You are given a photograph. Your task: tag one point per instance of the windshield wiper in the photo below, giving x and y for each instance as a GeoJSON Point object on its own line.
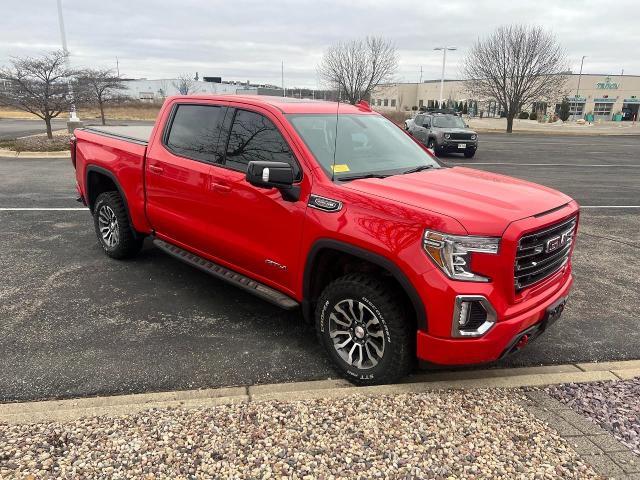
{"type": "Point", "coordinates": [418, 169]}
{"type": "Point", "coordinates": [358, 177]}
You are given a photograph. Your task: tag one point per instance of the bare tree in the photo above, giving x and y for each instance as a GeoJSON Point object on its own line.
{"type": "Point", "coordinates": [515, 66]}
{"type": "Point", "coordinates": [355, 68]}
{"type": "Point", "coordinates": [40, 86]}
{"type": "Point", "coordinates": [164, 88]}
{"type": "Point", "coordinates": [184, 84]}
{"type": "Point", "coordinates": [102, 86]}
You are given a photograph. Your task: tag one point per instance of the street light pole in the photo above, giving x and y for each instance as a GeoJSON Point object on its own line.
{"type": "Point", "coordinates": [444, 60]}
{"type": "Point", "coordinates": [72, 114]}
{"type": "Point", "coordinates": [575, 104]}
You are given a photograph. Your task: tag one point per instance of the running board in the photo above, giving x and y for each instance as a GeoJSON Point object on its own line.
{"type": "Point", "coordinates": [259, 289]}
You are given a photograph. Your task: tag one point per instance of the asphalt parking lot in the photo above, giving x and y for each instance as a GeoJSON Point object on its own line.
{"type": "Point", "coordinates": [74, 322]}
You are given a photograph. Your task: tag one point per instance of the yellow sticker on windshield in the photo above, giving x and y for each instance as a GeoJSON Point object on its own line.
{"type": "Point", "coordinates": [340, 168]}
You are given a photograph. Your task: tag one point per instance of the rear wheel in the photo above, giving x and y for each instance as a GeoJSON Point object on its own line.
{"type": "Point", "coordinates": [111, 222]}
{"type": "Point", "coordinates": [365, 330]}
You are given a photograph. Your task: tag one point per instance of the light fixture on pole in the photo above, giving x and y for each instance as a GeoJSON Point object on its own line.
{"type": "Point", "coordinates": [444, 60]}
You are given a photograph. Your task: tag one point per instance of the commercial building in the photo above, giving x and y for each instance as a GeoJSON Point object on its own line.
{"type": "Point", "coordinates": [606, 97]}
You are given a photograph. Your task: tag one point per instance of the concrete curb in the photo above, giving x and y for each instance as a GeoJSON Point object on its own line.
{"type": "Point", "coordinates": [68, 410]}
{"type": "Point", "coordinates": [13, 154]}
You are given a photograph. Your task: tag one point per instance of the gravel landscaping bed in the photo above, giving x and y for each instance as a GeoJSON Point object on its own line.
{"type": "Point", "coordinates": [615, 406]}
{"type": "Point", "coordinates": [40, 143]}
{"type": "Point", "coordinates": [471, 435]}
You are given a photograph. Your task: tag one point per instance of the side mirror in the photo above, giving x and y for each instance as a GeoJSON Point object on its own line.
{"type": "Point", "coordinates": [263, 174]}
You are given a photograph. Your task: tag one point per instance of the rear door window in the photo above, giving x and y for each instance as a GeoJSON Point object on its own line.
{"type": "Point", "coordinates": [254, 137]}
{"type": "Point", "coordinates": [195, 131]}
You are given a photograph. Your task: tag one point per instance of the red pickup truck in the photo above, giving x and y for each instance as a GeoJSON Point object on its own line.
{"type": "Point", "coordinates": [335, 210]}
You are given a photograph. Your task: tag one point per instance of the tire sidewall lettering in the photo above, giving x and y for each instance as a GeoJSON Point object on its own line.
{"type": "Point", "coordinates": [380, 316]}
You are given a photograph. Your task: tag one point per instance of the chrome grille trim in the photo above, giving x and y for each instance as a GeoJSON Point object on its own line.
{"type": "Point", "coordinates": [542, 253]}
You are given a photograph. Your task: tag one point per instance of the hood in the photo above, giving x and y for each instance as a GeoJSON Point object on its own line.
{"type": "Point", "coordinates": [484, 203]}
{"type": "Point", "coordinates": [454, 130]}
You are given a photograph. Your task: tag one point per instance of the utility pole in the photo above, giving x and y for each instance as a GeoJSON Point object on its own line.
{"type": "Point", "coordinates": [575, 104]}
{"type": "Point", "coordinates": [420, 74]}
{"type": "Point", "coordinates": [74, 121]}
{"type": "Point", "coordinates": [444, 60]}
{"type": "Point", "coordinates": [118, 67]}
{"type": "Point", "coordinates": [284, 90]}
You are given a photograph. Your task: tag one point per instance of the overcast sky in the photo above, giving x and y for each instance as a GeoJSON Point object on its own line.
{"type": "Point", "coordinates": [242, 40]}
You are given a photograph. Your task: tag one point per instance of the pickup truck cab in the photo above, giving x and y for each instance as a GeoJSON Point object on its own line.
{"type": "Point", "coordinates": [335, 210]}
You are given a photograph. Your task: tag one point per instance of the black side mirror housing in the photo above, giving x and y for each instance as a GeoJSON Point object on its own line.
{"type": "Point", "coordinates": [263, 174]}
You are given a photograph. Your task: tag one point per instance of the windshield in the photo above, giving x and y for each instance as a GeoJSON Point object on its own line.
{"type": "Point", "coordinates": [367, 144]}
{"type": "Point", "coordinates": [449, 121]}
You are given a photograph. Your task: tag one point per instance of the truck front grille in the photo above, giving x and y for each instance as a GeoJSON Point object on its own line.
{"type": "Point", "coordinates": [461, 136]}
{"type": "Point", "coordinates": [541, 254]}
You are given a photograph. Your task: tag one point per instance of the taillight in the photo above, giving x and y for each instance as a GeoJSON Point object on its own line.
{"type": "Point", "coordinates": [72, 148]}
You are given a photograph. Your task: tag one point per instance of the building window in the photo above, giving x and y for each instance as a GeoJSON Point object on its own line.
{"type": "Point", "coordinates": [386, 102]}
{"type": "Point", "coordinates": [379, 102]}
{"type": "Point", "coordinates": [602, 109]}
{"type": "Point", "coordinates": [421, 103]}
{"type": "Point", "coordinates": [576, 109]}
{"type": "Point", "coordinates": [393, 102]}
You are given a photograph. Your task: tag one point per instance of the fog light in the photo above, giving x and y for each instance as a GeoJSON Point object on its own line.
{"type": "Point", "coordinates": [473, 316]}
{"type": "Point", "coordinates": [463, 318]}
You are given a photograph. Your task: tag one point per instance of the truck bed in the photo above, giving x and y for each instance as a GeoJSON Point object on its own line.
{"type": "Point", "coordinates": [133, 133]}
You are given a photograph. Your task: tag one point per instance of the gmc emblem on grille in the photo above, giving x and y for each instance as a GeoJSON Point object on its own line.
{"type": "Point", "coordinates": [555, 243]}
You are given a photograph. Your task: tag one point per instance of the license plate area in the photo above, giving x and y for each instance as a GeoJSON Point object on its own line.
{"type": "Point", "coordinates": [553, 313]}
{"type": "Point", "coordinates": [462, 145]}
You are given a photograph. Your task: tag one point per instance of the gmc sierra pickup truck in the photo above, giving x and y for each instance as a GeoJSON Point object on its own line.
{"type": "Point", "coordinates": [333, 209]}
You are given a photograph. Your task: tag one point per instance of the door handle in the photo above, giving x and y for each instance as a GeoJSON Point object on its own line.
{"type": "Point", "coordinates": [156, 169]}
{"type": "Point", "coordinates": [221, 187]}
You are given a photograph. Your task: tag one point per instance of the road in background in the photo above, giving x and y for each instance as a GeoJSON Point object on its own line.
{"type": "Point", "coordinates": [13, 128]}
{"type": "Point", "coordinates": [77, 323]}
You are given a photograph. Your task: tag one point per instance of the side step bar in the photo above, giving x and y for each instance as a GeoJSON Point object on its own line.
{"type": "Point", "coordinates": [259, 289]}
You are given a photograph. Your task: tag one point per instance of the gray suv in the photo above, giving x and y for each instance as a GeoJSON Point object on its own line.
{"type": "Point", "coordinates": [443, 132]}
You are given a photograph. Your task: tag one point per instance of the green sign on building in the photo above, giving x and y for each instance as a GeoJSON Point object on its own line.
{"type": "Point", "coordinates": [607, 84]}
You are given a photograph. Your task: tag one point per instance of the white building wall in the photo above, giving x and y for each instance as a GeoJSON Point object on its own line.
{"type": "Point", "coordinates": [159, 89]}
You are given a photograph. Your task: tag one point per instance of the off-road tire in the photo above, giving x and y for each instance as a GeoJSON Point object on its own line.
{"type": "Point", "coordinates": [128, 243]}
{"type": "Point", "coordinates": [469, 154]}
{"type": "Point", "coordinates": [398, 328]}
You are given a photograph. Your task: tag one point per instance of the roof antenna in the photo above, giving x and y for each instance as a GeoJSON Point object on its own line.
{"type": "Point", "coordinates": [335, 139]}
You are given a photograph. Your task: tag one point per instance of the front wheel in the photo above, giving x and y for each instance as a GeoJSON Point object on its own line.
{"type": "Point", "coordinates": [469, 153]}
{"type": "Point", "coordinates": [364, 330]}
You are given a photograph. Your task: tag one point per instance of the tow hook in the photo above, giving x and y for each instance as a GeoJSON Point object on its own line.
{"type": "Point", "coordinates": [522, 342]}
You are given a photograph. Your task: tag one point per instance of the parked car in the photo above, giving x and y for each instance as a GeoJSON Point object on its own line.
{"type": "Point", "coordinates": [444, 133]}
{"type": "Point", "coordinates": [338, 212]}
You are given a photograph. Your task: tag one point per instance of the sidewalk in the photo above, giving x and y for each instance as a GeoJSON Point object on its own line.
{"type": "Point", "coordinates": [439, 425]}
{"type": "Point", "coordinates": [567, 128]}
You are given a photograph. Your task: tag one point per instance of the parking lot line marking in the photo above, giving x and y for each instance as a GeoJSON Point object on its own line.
{"type": "Point", "coordinates": [42, 209]}
{"type": "Point", "coordinates": [468, 164]}
{"type": "Point", "coordinates": [573, 144]}
{"type": "Point", "coordinates": [609, 206]}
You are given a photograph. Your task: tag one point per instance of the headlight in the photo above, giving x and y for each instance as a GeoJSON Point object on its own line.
{"type": "Point", "coordinates": [473, 137]}
{"type": "Point", "coordinates": [447, 135]}
{"type": "Point", "coordinates": [452, 253]}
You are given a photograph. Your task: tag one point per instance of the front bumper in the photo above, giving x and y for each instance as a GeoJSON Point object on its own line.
{"type": "Point", "coordinates": [497, 342]}
{"type": "Point", "coordinates": [452, 146]}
